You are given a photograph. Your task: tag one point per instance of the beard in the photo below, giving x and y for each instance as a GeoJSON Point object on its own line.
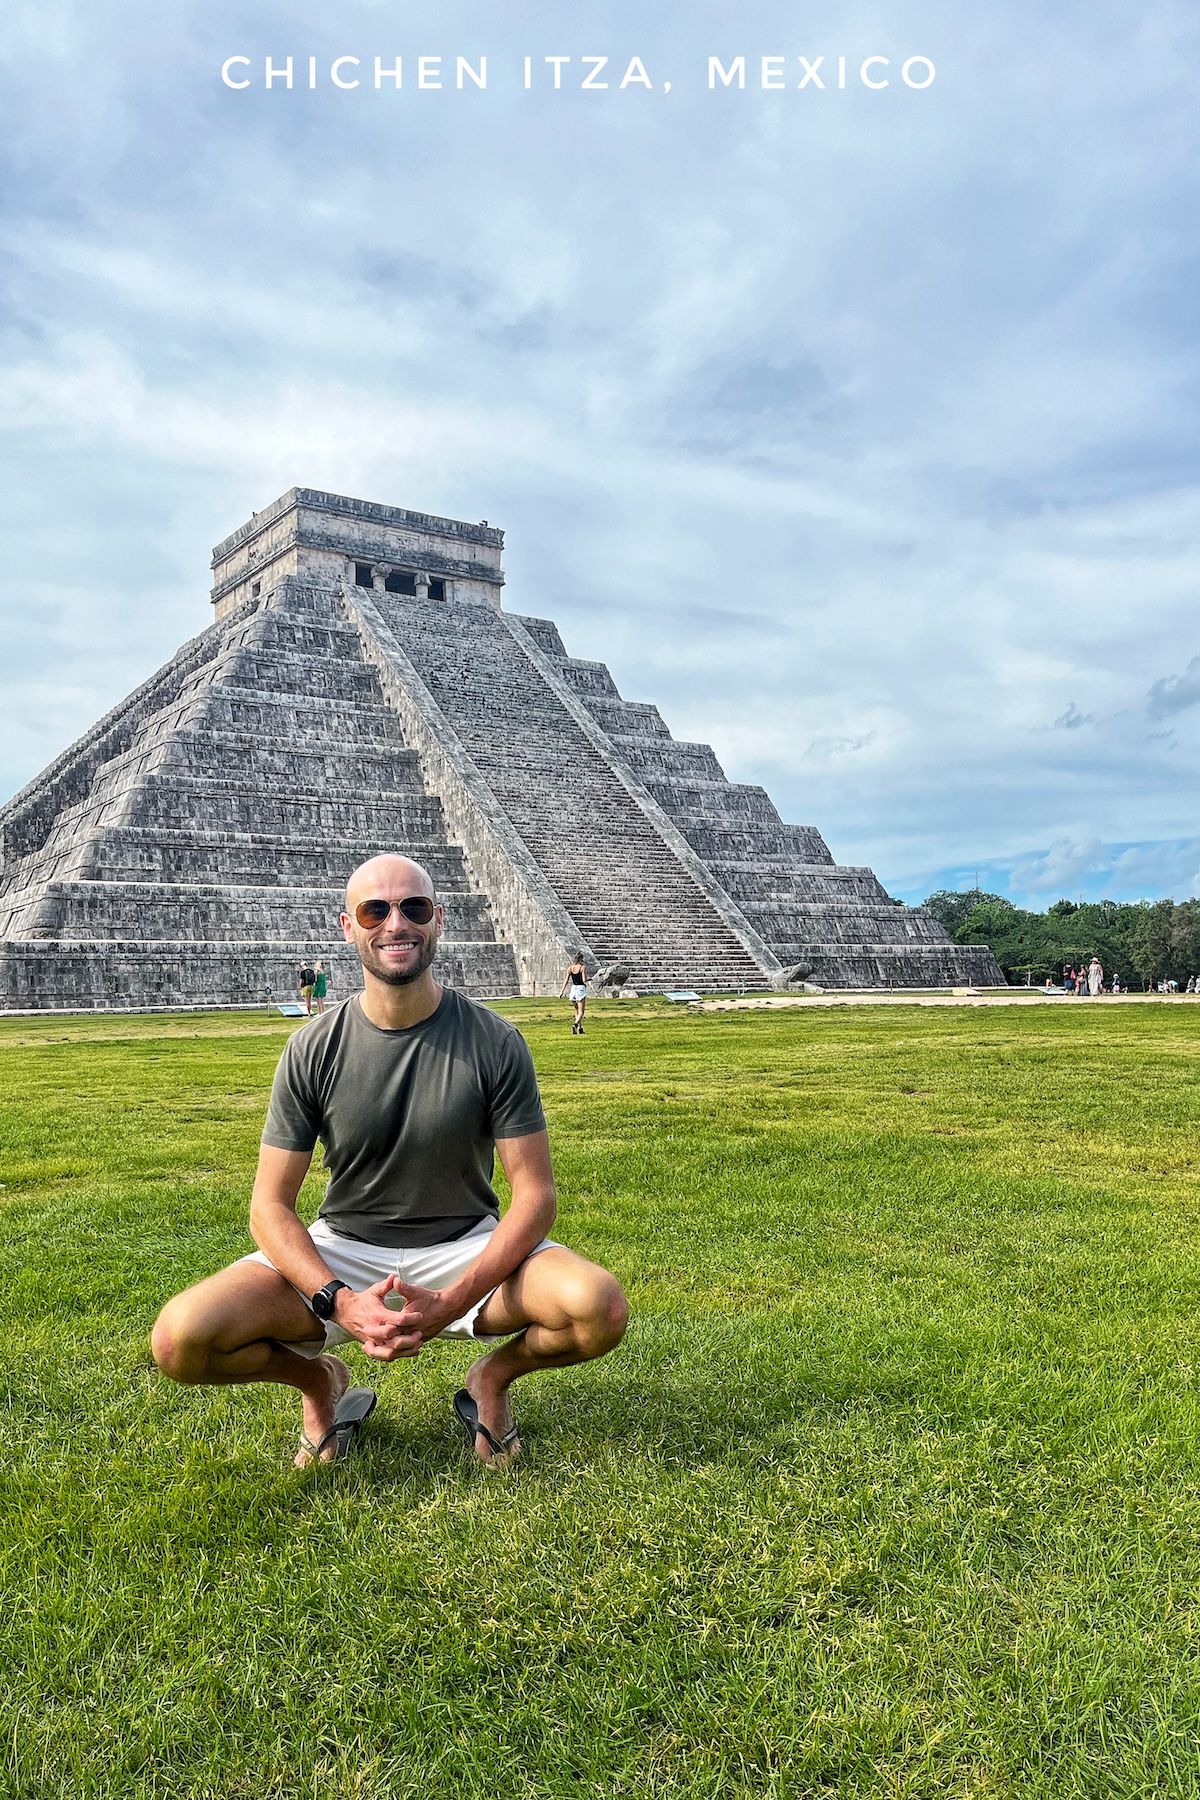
{"type": "Point", "coordinates": [386, 972]}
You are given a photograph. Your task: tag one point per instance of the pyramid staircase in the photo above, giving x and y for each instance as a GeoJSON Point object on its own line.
{"type": "Point", "coordinates": [631, 897]}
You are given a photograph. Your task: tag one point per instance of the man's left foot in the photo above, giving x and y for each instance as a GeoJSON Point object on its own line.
{"type": "Point", "coordinates": [494, 1412]}
{"type": "Point", "coordinates": [319, 1410]}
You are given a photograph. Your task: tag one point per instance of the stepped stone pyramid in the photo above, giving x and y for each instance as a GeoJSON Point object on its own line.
{"type": "Point", "coordinates": [362, 689]}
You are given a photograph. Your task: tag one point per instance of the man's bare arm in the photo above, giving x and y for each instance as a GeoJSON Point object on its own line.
{"type": "Point", "coordinates": [283, 1236]}
{"type": "Point", "coordinates": [274, 1223]}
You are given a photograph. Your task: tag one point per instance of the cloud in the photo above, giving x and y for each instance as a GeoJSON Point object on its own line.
{"type": "Point", "coordinates": [1088, 870]}
{"type": "Point", "coordinates": [1061, 867]}
{"type": "Point", "coordinates": [1072, 719]}
{"type": "Point", "coordinates": [1174, 693]}
{"type": "Point", "coordinates": [839, 746]}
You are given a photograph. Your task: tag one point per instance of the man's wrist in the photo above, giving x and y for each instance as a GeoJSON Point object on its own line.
{"type": "Point", "coordinates": [456, 1299]}
{"type": "Point", "coordinates": [324, 1301]}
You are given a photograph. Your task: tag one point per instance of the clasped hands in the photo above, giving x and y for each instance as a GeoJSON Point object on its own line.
{"type": "Point", "coordinates": [385, 1334]}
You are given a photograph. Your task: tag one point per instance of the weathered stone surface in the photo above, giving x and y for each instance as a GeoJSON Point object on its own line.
{"type": "Point", "coordinates": [196, 845]}
{"type": "Point", "coordinates": [361, 689]}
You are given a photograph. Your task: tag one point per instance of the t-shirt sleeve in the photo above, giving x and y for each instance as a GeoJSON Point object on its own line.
{"type": "Point", "coordinates": [293, 1115]}
{"type": "Point", "coordinates": [516, 1105]}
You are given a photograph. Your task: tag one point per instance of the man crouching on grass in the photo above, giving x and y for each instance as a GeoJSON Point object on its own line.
{"type": "Point", "coordinates": [410, 1087]}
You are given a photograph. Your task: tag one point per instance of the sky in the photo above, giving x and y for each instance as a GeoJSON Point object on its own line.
{"type": "Point", "coordinates": [856, 427]}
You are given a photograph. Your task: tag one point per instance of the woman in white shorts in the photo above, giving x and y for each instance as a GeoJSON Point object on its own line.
{"type": "Point", "coordinates": [575, 988]}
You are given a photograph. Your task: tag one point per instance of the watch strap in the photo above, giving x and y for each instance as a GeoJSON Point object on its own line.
{"type": "Point", "coordinates": [325, 1298]}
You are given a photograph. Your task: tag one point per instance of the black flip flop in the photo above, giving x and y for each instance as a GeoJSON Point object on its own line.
{"type": "Point", "coordinates": [351, 1412]}
{"type": "Point", "coordinates": [467, 1414]}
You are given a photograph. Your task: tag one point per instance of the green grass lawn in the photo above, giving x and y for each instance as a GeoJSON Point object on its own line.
{"type": "Point", "coordinates": [893, 1488]}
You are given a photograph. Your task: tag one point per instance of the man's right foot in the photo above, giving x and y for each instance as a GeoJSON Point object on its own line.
{"type": "Point", "coordinates": [319, 1407]}
{"type": "Point", "coordinates": [494, 1412]}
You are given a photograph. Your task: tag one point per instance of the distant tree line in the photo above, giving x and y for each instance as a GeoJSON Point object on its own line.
{"type": "Point", "coordinates": [1145, 942]}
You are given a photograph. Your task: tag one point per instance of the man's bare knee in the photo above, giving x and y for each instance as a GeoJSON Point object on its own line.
{"type": "Point", "coordinates": [175, 1345]}
{"type": "Point", "coordinates": [600, 1323]}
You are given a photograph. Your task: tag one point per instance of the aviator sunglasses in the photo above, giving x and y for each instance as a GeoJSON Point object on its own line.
{"type": "Point", "coordinates": [419, 908]}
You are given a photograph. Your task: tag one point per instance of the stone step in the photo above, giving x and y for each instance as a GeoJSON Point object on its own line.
{"type": "Point", "coordinates": [273, 630]}
{"type": "Point", "coordinates": [283, 672]}
{"type": "Point", "coordinates": [150, 911]}
{"type": "Point", "coordinates": [718, 843]}
{"type": "Point", "coordinates": [724, 803]}
{"type": "Point", "coordinates": [588, 678]}
{"type": "Point", "coordinates": [177, 803]}
{"type": "Point", "coordinates": [659, 759]}
{"type": "Point", "coordinates": [69, 975]}
{"type": "Point", "coordinates": [282, 718]}
{"type": "Point", "coordinates": [235, 859]}
{"type": "Point", "coordinates": [850, 924]}
{"type": "Point", "coordinates": [930, 965]}
{"type": "Point", "coordinates": [627, 718]}
{"type": "Point", "coordinates": [544, 633]}
{"type": "Point", "coordinates": [241, 757]}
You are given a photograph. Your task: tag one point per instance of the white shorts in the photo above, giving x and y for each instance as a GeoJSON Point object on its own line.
{"type": "Point", "coordinates": [577, 992]}
{"type": "Point", "coordinates": [360, 1265]}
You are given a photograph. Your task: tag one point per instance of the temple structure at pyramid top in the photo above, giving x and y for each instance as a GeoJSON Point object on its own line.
{"type": "Point", "coordinates": [361, 688]}
{"type": "Point", "coordinates": [328, 540]}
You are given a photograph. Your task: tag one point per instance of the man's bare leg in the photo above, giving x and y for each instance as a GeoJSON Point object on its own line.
{"type": "Point", "coordinates": [233, 1328]}
{"type": "Point", "coordinates": [569, 1310]}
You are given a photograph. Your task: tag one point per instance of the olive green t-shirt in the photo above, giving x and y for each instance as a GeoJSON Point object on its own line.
{"type": "Point", "coordinates": [409, 1119]}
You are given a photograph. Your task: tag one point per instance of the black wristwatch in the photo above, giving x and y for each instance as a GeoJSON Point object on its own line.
{"type": "Point", "coordinates": [325, 1299]}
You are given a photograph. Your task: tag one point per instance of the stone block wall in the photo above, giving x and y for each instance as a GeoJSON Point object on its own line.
{"type": "Point", "coordinates": [195, 846]}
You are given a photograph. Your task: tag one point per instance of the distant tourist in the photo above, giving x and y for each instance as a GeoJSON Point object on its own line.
{"type": "Point", "coordinates": [1069, 981]}
{"type": "Point", "coordinates": [411, 1088]}
{"type": "Point", "coordinates": [1116, 983]}
{"type": "Point", "coordinates": [320, 987]}
{"type": "Point", "coordinates": [575, 988]}
{"type": "Point", "coordinates": [308, 976]}
{"type": "Point", "coordinates": [1095, 976]}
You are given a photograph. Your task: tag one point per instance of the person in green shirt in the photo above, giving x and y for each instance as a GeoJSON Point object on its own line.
{"type": "Point", "coordinates": [320, 987]}
{"type": "Point", "coordinates": [413, 1090]}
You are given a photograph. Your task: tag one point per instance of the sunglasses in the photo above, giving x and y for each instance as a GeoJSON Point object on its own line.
{"type": "Point", "coordinates": [418, 908]}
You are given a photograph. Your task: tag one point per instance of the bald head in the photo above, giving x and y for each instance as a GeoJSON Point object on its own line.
{"type": "Point", "coordinates": [396, 949]}
{"type": "Point", "coordinates": [387, 878]}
